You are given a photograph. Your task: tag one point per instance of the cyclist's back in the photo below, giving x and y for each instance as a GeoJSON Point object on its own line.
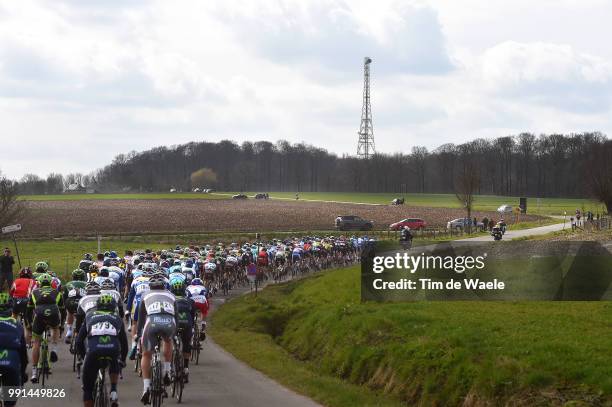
{"type": "Point", "coordinates": [13, 346]}
{"type": "Point", "coordinates": [106, 343]}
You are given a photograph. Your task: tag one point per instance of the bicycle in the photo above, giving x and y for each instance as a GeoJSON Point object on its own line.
{"type": "Point", "coordinates": [101, 396]}
{"type": "Point", "coordinates": [157, 384]}
{"type": "Point", "coordinates": [178, 367]}
{"type": "Point", "coordinates": [195, 342]}
{"type": "Point", "coordinates": [44, 360]}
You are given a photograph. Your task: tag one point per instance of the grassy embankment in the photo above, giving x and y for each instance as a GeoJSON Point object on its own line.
{"type": "Point", "coordinates": [316, 337]}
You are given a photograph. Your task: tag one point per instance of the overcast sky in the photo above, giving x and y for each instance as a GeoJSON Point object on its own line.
{"type": "Point", "coordinates": [82, 81]}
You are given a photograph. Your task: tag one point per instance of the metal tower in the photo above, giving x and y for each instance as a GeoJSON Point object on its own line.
{"type": "Point", "coordinates": [365, 147]}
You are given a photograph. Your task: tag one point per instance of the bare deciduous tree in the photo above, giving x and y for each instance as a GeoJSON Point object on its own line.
{"type": "Point", "coordinates": [12, 210]}
{"type": "Point", "coordinates": [599, 169]}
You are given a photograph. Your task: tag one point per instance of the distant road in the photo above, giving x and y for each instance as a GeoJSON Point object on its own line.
{"type": "Point", "coordinates": [513, 234]}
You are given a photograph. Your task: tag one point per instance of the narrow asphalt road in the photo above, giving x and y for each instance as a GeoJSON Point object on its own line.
{"type": "Point", "coordinates": [218, 380]}
{"type": "Point", "coordinates": [513, 234]}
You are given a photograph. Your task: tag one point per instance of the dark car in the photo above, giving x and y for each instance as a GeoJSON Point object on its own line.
{"type": "Point", "coordinates": [346, 222]}
{"type": "Point", "coordinates": [239, 196]}
{"type": "Point", "coordinates": [261, 196]}
{"type": "Point", "coordinates": [412, 223]}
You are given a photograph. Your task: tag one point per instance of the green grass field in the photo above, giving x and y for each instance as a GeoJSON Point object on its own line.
{"type": "Point", "coordinates": [547, 206]}
{"type": "Point", "coordinates": [316, 337]}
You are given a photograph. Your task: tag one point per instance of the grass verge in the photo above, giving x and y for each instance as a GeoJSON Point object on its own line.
{"type": "Point", "coordinates": [312, 334]}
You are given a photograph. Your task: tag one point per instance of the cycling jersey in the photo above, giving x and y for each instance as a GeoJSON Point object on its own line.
{"type": "Point", "coordinates": [185, 315]}
{"type": "Point", "coordinates": [106, 343]}
{"type": "Point", "coordinates": [198, 295]}
{"type": "Point", "coordinates": [47, 307]}
{"type": "Point", "coordinates": [22, 288]}
{"type": "Point", "coordinates": [139, 287]}
{"type": "Point", "coordinates": [14, 358]}
{"type": "Point", "coordinates": [73, 292]}
{"type": "Point", "coordinates": [86, 304]}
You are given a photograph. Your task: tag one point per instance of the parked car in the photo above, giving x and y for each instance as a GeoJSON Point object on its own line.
{"type": "Point", "coordinates": [346, 222]}
{"type": "Point", "coordinates": [240, 196]}
{"type": "Point", "coordinates": [398, 201]}
{"type": "Point", "coordinates": [505, 209]}
{"type": "Point", "coordinates": [461, 223]}
{"type": "Point", "coordinates": [172, 189]}
{"type": "Point", "coordinates": [261, 196]}
{"type": "Point", "coordinates": [197, 190]}
{"type": "Point", "coordinates": [412, 223]}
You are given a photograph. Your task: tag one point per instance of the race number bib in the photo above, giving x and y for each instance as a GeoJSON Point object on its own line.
{"type": "Point", "coordinates": [103, 328]}
{"type": "Point", "coordinates": [160, 306]}
{"type": "Point", "coordinates": [88, 305]}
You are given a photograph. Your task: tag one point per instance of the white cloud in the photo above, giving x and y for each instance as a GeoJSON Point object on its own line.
{"type": "Point", "coordinates": [98, 78]}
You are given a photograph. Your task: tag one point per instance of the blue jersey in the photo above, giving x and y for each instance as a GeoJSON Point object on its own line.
{"type": "Point", "coordinates": [12, 347]}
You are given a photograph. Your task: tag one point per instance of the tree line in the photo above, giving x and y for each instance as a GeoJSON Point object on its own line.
{"type": "Point", "coordinates": [547, 165]}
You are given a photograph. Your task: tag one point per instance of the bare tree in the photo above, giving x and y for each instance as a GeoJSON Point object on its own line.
{"type": "Point", "coordinates": [467, 181]}
{"type": "Point", "coordinates": [599, 169]}
{"type": "Point", "coordinates": [11, 209]}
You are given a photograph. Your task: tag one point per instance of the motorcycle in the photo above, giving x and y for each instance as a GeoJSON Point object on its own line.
{"type": "Point", "coordinates": [497, 233]}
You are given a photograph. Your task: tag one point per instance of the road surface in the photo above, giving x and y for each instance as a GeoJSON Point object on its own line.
{"type": "Point", "coordinates": [513, 234]}
{"type": "Point", "coordinates": [219, 380]}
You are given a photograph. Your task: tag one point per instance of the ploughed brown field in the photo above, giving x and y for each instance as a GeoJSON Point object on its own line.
{"type": "Point", "coordinates": [201, 216]}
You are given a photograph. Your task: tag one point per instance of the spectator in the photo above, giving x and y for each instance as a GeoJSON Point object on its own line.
{"type": "Point", "coordinates": [491, 224]}
{"type": "Point", "coordinates": [485, 223]}
{"type": "Point", "coordinates": [573, 223]}
{"type": "Point", "coordinates": [6, 269]}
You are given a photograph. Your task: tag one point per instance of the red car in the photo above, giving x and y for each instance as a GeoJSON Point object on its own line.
{"type": "Point", "coordinates": [412, 223]}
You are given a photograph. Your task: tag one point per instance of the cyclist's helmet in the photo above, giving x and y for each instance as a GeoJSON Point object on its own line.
{"type": "Point", "coordinates": [103, 272]}
{"type": "Point", "coordinates": [25, 272]}
{"type": "Point", "coordinates": [197, 281]}
{"type": "Point", "coordinates": [106, 254]}
{"type": "Point", "coordinates": [107, 284]}
{"type": "Point", "coordinates": [87, 256]}
{"type": "Point", "coordinates": [6, 303]}
{"type": "Point", "coordinates": [157, 282]}
{"type": "Point", "coordinates": [93, 268]}
{"type": "Point", "coordinates": [113, 254]}
{"type": "Point", "coordinates": [106, 302]}
{"type": "Point", "coordinates": [41, 267]}
{"type": "Point", "coordinates": [78, 275]}
{"type": "Point", "coordinates": [177, 287]}
{"type": "Point", "coordinates": [45, 280]}
{"type": "Point", "coordinates": [92, 288]}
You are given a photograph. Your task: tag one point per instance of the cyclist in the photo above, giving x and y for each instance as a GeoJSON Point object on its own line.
{"type": "Point", "coordinates": [46, 305]}
{"type": "Point", "coordinates": [106, 343]}
{"type": "Point", "coordinates": [185, 315]}
{"type": "Point", "coordinates": [13, 345]}
{"type": "Point", "coordinates": [108, 287]}
{"type": "Point", "coordinates": [156, 318]}
{"type": "Point", "coordinates": [87, 303]}
{"type": "Point", "coordinates": [73, 292]}
{"type": "Point", "coordinates": [199, 295]}
{"type": "Point", "coordinates": [139, 287]}
{"type": "Point", "coordinates": [20, 292]}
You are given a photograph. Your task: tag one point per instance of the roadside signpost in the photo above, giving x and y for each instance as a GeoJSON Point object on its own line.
{"type": "Point", "coordinates": [12, 229]}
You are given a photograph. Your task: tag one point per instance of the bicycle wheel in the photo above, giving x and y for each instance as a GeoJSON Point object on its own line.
{"type": "Point", "coordinates": [101, 398]}
{"type": "Point", "coordinates": [156, 379]}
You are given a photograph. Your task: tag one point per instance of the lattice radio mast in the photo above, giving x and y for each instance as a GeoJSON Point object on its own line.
{"type": "Point", "coordinates": [365, 147]}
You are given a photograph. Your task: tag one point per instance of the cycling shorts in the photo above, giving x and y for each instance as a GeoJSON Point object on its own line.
{"type": "Point", "coordinates": [45, 317]}
{"type": "Point", "coordinates": [162, 325]}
